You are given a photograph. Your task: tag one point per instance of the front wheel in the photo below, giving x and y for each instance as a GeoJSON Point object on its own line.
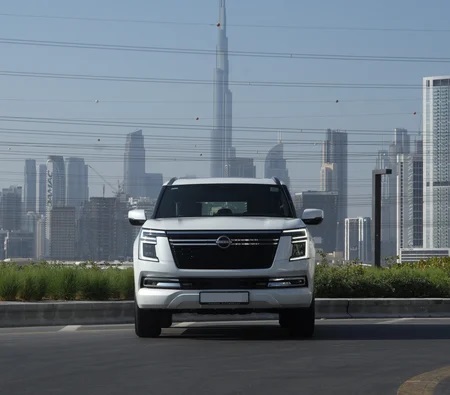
{"type": "Point", "coordinates": [300, 322]}
{"type": "Point", "coordinates": [147, 323]}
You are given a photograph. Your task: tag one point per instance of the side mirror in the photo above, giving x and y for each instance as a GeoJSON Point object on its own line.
{"type": "Point", "coordinates": [137, 217]}
{"type": "Point", "coordinates": [312, 216]}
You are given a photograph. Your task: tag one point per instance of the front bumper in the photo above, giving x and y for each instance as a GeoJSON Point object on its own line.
{"type": "Point", "coordinates": [189, 300]}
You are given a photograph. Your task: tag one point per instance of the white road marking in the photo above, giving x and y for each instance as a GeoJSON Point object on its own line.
{"type": "Point", "coordinates": [70, 328]}
{"type": "Point", "coordinates": [395, 321]}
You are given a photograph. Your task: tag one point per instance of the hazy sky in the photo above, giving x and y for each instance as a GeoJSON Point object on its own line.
{"type": "Point", "coordinates": [177, 143]}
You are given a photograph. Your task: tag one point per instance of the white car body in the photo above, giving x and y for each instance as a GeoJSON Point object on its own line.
{"type": "Point", "coordinates": [233, 264]}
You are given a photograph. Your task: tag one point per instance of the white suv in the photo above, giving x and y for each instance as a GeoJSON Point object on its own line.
{"type": "Point", "coordinates": [224, 245]}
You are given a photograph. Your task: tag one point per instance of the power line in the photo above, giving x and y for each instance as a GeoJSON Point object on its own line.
{"type": "Point", "coordinates": [199, 141]}
{"type": "Point", "coordinates": [185, 81]}
{"type": "Point", "coordinates": [179, 126]}
{"type": "Point", "coordinates": [384, 114]}
{"type": "Point", "coordinates": [177, 101]}
{"type": "Point", "coordinates": [205, 24]}
{"type": "Point", "coordinates": [213, 52]}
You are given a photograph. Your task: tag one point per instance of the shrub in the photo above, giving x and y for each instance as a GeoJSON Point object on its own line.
{"type": "Point", "coordinates": [426, 279]}
{"type": "Point", "coordinates": [9, 282]}
{"type": "Point", "coordinates": [125, 284]}
{"type": "Point", "coordinates": [64, 282]}
{"type": "Point", "coordinates": [33, 284]}
{"type": "Point", "coordinates": [95, 284]}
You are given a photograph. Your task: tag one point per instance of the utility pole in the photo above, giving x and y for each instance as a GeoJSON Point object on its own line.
{"type": "Point", "coordinates": [376, 213]}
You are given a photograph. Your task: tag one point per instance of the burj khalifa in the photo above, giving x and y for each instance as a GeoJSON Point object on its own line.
{"type": "Point", "coordinates": [222, 150]}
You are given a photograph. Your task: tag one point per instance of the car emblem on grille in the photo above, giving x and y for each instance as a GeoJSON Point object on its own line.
{"type": "Point", "coordinates": [223, 242]}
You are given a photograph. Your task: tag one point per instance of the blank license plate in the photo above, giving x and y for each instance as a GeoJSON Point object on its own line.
{"type": "Point", "coordinates": [224, 298]}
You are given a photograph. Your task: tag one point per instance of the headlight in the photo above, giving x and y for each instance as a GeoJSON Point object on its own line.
{"type": "Point", "coordinates": [299, 240]}
{"type": "Point", "coordinates": [148, 240]}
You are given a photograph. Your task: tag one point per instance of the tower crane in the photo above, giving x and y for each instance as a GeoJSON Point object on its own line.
{"type": "Point", "coordinates": [116, 190]}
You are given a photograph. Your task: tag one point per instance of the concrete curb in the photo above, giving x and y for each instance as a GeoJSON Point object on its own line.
{"type": "Point", "coordinates": [21, 314]}
{"type": "Point", "coordinates": [15, 314]}
{"type": "Point", "coordinates": [374, 308]}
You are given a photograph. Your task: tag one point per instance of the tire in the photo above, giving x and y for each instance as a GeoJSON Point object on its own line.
{"type": "Point", "coordinates": [147, 323]}
{"type": "Point", "coordinates": [166, 320]}
{"type": "Point", "coordinates": [299, 322]}
{"type": "Point", "coordinates": [284, 319]}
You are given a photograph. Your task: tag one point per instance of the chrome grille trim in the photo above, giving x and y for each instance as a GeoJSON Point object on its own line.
{"type": "Point", "coordinates": [212, 242]}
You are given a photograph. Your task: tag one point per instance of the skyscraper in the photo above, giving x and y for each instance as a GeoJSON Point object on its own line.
{"type": "Point", "coordinates": [388, 205]}
{"type": "Point", "coordinates": [401, 144]}
{"type": "Point", "coordinates": [221, 135]}
{"type": "Point", "coordinates": [29, 191]}
{"type": "Point", "coordinates": [105, 230]}
{"type": "Point", "coordinates": [134, 165]}
{"type": "Point", "coordinates": [324, 234]}
{"type": "Point", "coordinates": [30, 226]}
{"type": "Point", "coordinates": [404, 202]}
{"type": "Point", "coordinates": [56, 198]}
{"type": "Point", "coordinates": [410, 199]}
{"type": "Point", "coordinates": [334, 172]}
{"type": "Point", "coordinates": [358, 241]}
{"type": "Point", "coordinates": [42, 189]}
{"type": "Point", "coordinates": [76, 182]}
{"type": "Point", "coordinates": [61, 232]}
{"type": "Point", "coordinates": [241, 167]}
{"type": "Point", "coordinates": [41, 238]}
{"type": "Point", "coordinates": [328, 177]}
{"type": "Point", "coordinates": [153, 183]}
{"type": "Point", "coordinates": [388, 159]}
{"type": "Point", "coordinates": [19, 245]}
{"type": "Point", "coordinates": [417, 163]}
{"type": "Point", "coordinates": [56, 182]}
{"type": "Point", "coordinates": [11, 208]}
{"type": "Point", "coordinates": [436, 159]}
{"type": "Point", "coordinates": [275, 164]}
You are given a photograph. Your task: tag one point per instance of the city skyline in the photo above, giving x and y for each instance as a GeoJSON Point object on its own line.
{"type": "Point", "coordinates": [63, 174]}
{"type": "Point", "coordinates": [81, 101]}
{"type": "Point", "coordinates": [300, 112]}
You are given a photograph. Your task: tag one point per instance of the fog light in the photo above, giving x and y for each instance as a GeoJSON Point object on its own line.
{"type": "Point", "coordinates": [164, 283]}
{"type": "Point", "coordinates": [289, 282]}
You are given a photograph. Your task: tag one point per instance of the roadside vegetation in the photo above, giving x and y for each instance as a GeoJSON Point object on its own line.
{"type": "Point", "coordinates": [45, 281]}
{"type": "Point", "coordinates": [426, 279]}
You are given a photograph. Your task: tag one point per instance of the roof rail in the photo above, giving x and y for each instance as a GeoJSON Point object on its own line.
{"type": "Point", "coordinates": [277, 181]}
{"type": "Point", "coordinates": [172, 180]}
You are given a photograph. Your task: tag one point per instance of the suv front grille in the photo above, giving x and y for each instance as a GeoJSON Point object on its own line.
{"type": "Point", "coordinates": [223, 283]}
{"type": "Point", "coordinates": [224, 250]}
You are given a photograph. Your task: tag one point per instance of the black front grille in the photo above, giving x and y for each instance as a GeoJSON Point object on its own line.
{"type": "Point", "coordinates": [223, 283]}
{"type": "Point", "coordinates": [246, 250]}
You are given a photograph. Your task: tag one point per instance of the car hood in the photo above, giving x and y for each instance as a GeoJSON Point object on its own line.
{"type": "Point", "coordinates": [224, 223]}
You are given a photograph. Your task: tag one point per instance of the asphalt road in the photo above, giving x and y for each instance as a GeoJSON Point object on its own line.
{"type": "Point", "coordinates": [345, 357]}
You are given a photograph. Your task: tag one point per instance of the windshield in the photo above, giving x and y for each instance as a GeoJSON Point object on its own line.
{"type": "Point", "coordinates": [223, 200]}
